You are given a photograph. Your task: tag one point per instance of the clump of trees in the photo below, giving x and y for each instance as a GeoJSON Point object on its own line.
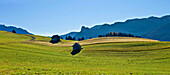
{"type": "Point", "coordinates": [110, 34]}
{"type": "Point", "coordinates": [79, 39]}
{"type": "Point", "coordinates": [73, 38]}
{"type": "Point", "coordinates": [70, 38]}
{"type": "Point", "coordinates": [114, 34]}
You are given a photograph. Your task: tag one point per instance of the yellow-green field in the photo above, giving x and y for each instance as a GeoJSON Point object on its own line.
{"type": "Point", "coordinates": [20, 54]}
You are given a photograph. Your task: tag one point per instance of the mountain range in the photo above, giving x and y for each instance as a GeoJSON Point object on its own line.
{"type": "Point", "coordinates": [10, 28]}
{"type": "Point", "coordinates": [157, 28]}
{"type": "Point", "coordinates": [72, 34]}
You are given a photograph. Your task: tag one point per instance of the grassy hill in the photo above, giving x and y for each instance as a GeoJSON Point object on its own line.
{"type": "Point", "coordinates": [6, 37]}
{"type": "Point", "coordinates": [66, 43]}
{"type": "Point", "coordinates": [21, 54]}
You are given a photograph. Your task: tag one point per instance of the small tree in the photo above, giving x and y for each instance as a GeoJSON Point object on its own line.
{"type": "Point", "coordinates": [70, 38]}
{"type": "Point", "coordinates": [74, 38]}
{"type": "Point", "coordinates": [100, 36]}
{"type": "Point", "coordinates": [79, 39]}
{"type": "Point", "coordinates": [82, 38]}
{"type": "Point", "coordinates": [13, 31]}
{"type": "Point", "coordinates": [107, 35]}
{"type": "Point", "coordinates": [66, 38]}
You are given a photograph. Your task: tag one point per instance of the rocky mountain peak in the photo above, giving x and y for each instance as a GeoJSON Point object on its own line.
{"type": "Point", "coordinates": [83, 28]}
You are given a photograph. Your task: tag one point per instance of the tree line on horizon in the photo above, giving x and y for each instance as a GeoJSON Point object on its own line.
{"type": "Point", "coordinates": [73, 38]}
{"type": "Point", "coordinates": [118, 34]}
{"type": "Point", "coordinates": [110, 34]}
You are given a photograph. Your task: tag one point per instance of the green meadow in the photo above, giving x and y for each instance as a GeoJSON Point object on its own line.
{"type": "Point", "coordinates": [113, 55]}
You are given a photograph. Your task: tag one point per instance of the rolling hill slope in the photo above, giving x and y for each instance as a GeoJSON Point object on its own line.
{"type": "Point", "coordinates": [6, 37]}
{"type": "Point", "coordinates": [105, 40]}
{"type": "Point", "coordinates": [21, 55]}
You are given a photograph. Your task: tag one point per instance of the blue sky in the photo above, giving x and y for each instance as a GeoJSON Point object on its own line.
{"type": "Point", "coordinates": [48, 17]}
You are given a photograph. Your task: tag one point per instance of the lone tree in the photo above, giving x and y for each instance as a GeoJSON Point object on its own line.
{"type": "Point", "coordinates": [13, 31]}
{"type": "Point", "coordinates": [55, 39]}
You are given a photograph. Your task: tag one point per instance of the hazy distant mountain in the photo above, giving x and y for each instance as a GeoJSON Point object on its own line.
{"type": "Point", "coordinates": [141, 27]}
{"type": "Point", "coordinates": [72, 34]}
{"type": "Point", "coordinates": [10, 28]}
{"type": "Point", "coordinates": [161, 33]}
